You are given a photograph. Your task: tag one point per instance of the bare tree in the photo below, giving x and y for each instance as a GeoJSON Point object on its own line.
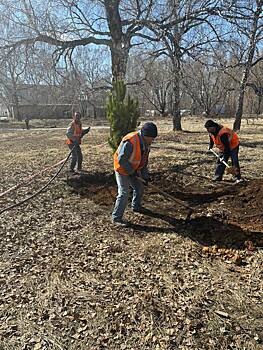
{"type": "Point", "coordinates": [207, 85]}
{"type": "Point", "coordinates": [246, 20]}
{"type": "Point", "coordinates": [186, 28]}
{"type": "Point", "coordinates": [69, 24]}
{"type": "Point", "coordinates": [12, 71]}
{"type": "Point", "coordinates": [156, 83]}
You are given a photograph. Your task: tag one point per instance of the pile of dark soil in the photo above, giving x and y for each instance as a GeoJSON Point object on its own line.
{"type": "Point", "coordinates": [99, 187]}
{"type": "Point", "coordinates": [249, 200]}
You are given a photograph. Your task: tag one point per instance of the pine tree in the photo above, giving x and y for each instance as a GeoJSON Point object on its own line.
{"type": "Point", "coordinates": [122, 114]}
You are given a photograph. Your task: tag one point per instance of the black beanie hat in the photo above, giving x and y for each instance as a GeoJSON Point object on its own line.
{"type": "Point", "coordinates": [149, 129]}
{"type": "Point", "coordinates": [210, 124]}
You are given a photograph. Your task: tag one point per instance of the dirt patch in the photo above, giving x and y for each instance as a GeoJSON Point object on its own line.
{"type": "Point", "coordinates": [70, 279]}
{"type": "Point", "coordinates": [99, 187]}
{"type": "Point", "coordinates": [226, 217]}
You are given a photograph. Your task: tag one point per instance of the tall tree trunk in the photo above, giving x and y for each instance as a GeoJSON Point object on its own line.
{"type": "Point", "coordinates": [119, 59]}
{"type": "Point", "coordinates": [251, 51]}
{"type": "Point", "coordinates": [120, 42]}
{"type": "Point", "coordinates": [240, 104]}
{"type": "Point", "coordinates": [175, 55]}
{"type": "Point", "coordinates": [177, 126]}
{"type": "Point", "coordinates": [16, 114]}
{"type": "Point", "coordinates": [259, 105]}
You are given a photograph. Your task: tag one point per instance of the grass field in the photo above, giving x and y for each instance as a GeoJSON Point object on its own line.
{"type": "Point", "coordinates": [71, 280]}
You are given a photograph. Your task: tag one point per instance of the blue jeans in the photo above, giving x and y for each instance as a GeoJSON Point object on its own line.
{"type": "Point", "coordinates": [220, 167]}
{"type": "Point", "coordinates": [124, 182]}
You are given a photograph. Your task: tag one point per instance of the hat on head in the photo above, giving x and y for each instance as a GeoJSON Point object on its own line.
{"type": "Point", "coordinates": [149, 129]}
{"type": "Point", "coordinates": [210, 124]}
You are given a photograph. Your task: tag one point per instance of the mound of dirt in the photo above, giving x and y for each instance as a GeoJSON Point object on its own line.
{"type": "Point", "coordinates": [98, 187]}
{"type": "Point", "coordinates": [247, 204]}
{"type": "Point", "coordinates": [250, 198]}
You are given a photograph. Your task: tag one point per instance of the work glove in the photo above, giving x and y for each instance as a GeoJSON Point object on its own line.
{"type": "Point", "coordinates": [84, 132]}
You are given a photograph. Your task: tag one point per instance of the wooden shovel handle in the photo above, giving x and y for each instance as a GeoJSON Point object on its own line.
{"type": "Point", "coordinates": [167, 195]}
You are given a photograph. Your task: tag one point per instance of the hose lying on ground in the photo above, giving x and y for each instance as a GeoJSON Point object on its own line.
{"type": "Point", "coordinates": [41, 189]}
{"type": "Point", "coordinates": [27, 180]}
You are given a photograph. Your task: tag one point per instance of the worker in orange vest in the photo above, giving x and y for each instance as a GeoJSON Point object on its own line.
{"type": "Point", "coordinates": [130, 165]}
{"type": "Point", "coordinates": [74, 134]}
{"type": "Point", "coordinates": [227, 141]}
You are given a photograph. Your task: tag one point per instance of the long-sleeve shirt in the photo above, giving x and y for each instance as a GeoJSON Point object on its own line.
{"type": "Point", "coordinates": [124, 156]}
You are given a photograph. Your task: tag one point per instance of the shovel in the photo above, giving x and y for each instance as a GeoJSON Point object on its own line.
{"type": "Point", "coordinates": [230, 169]}
{"type": "Point", "coordinates": [167, 195]}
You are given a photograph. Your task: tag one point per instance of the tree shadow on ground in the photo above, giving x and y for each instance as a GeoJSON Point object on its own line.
{"type": "Point", "coordinates": [207, 231]}
{"type": "Point", "coordinates": [252, 144]}
{"type": "Point", "coordinates": [180, 149]}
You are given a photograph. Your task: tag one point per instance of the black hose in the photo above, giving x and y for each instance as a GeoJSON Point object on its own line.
{"type": "Point", "coordinates": [41, 189]}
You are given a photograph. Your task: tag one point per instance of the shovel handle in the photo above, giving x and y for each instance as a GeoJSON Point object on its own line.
{"type": "Point", "coordinates": [221, 160]}
{"type": "Point", "coordinates": [167, 195]}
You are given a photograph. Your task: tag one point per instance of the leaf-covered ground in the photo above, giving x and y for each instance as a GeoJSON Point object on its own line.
{"type": "Point", "coordinates": [71, 280]}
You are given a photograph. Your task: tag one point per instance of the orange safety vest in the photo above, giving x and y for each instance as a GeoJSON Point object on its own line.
{"type": "Point", "coordinates": [136, 159]}
{"type": "Point", "coordinates": [77, 133]}
{"type": "Point", "coordinates": [232, 137]}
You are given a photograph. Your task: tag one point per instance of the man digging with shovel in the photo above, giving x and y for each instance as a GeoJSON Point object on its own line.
{"type": "Point", "coordinates": [227, 141]}
{"type": "Point", "coordinates": [130, 165]}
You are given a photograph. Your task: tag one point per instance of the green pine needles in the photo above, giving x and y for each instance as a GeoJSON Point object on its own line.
{"type": "Point", "coordinates": [122, 114]}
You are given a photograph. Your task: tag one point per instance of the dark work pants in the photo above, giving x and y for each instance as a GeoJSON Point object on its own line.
{"type": "Point", "coordinates": [220, 167]}
{"type": "Point", "coordinates": [76, 157]}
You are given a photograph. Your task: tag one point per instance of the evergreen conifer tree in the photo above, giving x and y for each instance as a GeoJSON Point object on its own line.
{"type": "Point", "coordinates": [122, 113]}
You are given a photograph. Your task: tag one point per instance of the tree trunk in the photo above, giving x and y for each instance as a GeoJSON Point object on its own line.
{"type": "Point", "coordinates": [177, 126]}
{"type": "Point", "coordinates": [119, 59]}
{"type": "Point", "coordinates": [239, 112]}
{"type": "Point", "coordinates": [16, 114]}
{"type": "Point", "coordinates": [251, 51]}
{"type": "Point", "coordinates": [120, 42]}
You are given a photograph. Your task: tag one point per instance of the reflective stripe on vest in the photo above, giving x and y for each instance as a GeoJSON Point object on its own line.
{"type": "Point", "coordinates": [135, 158]}
{"type": "Point", "coordinates": [232, 138]}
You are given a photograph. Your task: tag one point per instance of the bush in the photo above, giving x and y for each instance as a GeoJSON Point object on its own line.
{"type": "Point", "coordinates": [122, 114]}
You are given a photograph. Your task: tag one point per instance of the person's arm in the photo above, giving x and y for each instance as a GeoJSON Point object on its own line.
{"type": "Point", "coordinates": [211, 144]}
{"type": "Point", "coordinates": [225, 142]}
{"type": "Point", "coordinates": [123, 157]}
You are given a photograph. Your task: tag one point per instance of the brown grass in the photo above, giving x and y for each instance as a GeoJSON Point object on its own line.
{"type": "Point", "coordinates": [70, 280]}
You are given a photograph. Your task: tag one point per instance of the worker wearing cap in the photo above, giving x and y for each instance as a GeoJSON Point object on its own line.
{"type": "Point", "coordinates": [227, 141]}
{"type": "Point", "coordinates": [74, 134]}
{"type": "Point", "coordinates": [130, 165]}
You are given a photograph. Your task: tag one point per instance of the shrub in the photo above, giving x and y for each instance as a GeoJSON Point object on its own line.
{"type": "Point", "coordinates": [122, 114]}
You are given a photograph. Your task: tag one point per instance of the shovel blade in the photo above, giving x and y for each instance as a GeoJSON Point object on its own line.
{"type": "Point", "coordinates": [232, 170]}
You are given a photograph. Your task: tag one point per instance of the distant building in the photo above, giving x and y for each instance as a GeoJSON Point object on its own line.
{"type": "Point", "coordinates": [51, 102]}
